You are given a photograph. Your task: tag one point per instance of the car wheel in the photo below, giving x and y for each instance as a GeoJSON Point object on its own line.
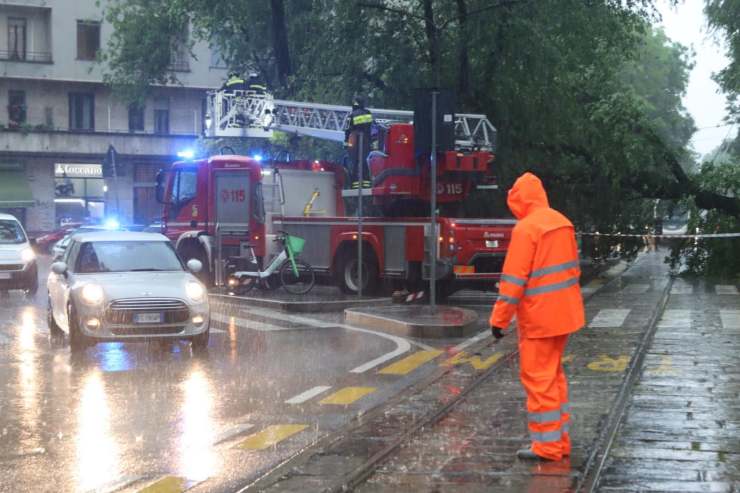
{"type": "Point", "coordinates": [348, 273]}
{"type": "Point", "coordinates": [55, 331]}
{"type": "Point", "coordinates": [33, 282]}
{"type": "Point", "coordinates": [77, 340]}
{"type": "Point", "coordinates": [200, 342]}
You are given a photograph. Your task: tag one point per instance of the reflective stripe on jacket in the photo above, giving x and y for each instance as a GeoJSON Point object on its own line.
{"type": "Point", "coordinates": [540, 278]}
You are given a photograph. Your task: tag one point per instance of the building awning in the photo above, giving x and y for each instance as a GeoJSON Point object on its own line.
{"type": "Point", "coordinates": [14, 189]}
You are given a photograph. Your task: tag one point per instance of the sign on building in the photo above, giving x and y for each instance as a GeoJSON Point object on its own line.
{"type": "Point", "coordinates": [78, 170]}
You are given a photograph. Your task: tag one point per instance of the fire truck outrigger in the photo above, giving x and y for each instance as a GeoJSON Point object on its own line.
{"type": "Point", "coordinates": [221, 208]}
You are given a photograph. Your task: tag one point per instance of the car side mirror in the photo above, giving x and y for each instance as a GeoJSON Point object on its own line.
{"type": "Point", "coordinates": [59, 268]}
{"type": "Point", "coordinates": [194, 265]}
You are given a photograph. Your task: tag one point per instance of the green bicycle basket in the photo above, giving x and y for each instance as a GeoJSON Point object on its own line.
{"type": "Point", "coordinates": [295, 243]}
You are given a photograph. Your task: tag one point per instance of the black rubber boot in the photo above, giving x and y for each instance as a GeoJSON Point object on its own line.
{"type": "Point", "coordinates": [528, 454]}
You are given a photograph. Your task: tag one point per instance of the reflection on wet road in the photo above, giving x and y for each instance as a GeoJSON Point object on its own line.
{"type": "Point", "coordinates": [119, 417]}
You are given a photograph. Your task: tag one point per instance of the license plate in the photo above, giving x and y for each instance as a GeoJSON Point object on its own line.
{"type": "Point", "coordinates": [147, 318]}
{"type": "Point", "coordinates": [491, 243]}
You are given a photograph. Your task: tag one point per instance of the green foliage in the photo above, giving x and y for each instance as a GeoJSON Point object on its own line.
{"type": "Point", "coordinates": [724, 16]}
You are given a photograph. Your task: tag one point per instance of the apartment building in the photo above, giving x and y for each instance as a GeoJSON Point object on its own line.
{"type": "Point", "coordinates": [58, 119]}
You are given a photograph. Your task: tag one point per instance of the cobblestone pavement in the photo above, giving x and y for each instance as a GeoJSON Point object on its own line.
{"type": "Point", "coordinates": [681, 432]}
{"type": "Point", "coordinates": [681, 426]}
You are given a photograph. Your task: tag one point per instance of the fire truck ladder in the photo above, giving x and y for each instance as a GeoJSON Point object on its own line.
{"type": "Point", "coordinates": [250, 114]}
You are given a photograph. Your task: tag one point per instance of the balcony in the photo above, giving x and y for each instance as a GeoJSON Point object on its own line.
{"type": "Point", "coordinates": [27, 57]}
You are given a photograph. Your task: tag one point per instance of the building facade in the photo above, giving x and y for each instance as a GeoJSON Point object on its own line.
{"type": "Point", "coordinates": [58, 120]}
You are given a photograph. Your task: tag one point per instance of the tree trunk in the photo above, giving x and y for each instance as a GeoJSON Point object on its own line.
{"type": "Point", "coordinates": [433, 38]}
{"type": "Point", "coordinates": [280, 42]}
{"type": "Point", "coordinates": [463, 76]}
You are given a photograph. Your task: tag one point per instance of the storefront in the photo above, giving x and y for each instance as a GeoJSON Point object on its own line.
{"type": "Point", "coordinates": [79, 193]}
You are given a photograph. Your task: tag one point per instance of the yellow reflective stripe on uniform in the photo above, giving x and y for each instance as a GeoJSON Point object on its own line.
{"type": "Point", "coordinates": [257, 86]}
{"type": "Point", "coordinates": [508, 299]}
{"type": "Point", "coordinates": [360, 119]}
{"type": "Point", "coordinates": [234, 81]}
{"type": "Point", "coordinates": [551, 287]}
{"type": "Point", "coordinates": [545, 436]}
{"type": "Point", "coordinates": [554, 268]}
{"type": "Point", "coordinates": [544, 417]}
{"type": "Point", "coordinates": [513, 280]}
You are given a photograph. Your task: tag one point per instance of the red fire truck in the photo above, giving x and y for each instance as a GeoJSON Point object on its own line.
{"type": "Point", "coordinates": [216, 208]}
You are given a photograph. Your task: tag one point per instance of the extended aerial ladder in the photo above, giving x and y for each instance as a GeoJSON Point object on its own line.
{"type": "Point", "coordinates": [253, 114]}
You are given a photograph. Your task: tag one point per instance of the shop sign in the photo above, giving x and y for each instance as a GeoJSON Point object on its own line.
{"type": "Point", "coordinates": [78, 170]}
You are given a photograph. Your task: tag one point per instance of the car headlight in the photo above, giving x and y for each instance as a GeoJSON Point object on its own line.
{"type": "Point", "coordinates": [92, 294]}
{"type": "Point", "coordinates": [27, 255]}
{"type": "Point", "coordinates": [195, 291]}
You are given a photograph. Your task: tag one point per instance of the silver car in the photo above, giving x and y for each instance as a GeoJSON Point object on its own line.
{"type": "Point", "coordinates": [125, 286]}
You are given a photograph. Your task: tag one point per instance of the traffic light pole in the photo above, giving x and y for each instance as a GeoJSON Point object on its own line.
{"type": "Point", "coordinates": [433, 212]}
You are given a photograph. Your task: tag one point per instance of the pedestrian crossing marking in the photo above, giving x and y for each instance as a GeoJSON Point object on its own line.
{"type": "Point", "coordinates": [270, 436]}
{"type": "Point", "coordinates": [347, 395]}
{"type": "Point", "coordinates": [609, 364]}
{"type": "Point", "coordinates": [475, 361]}
{"type": "Point", "coordinates": [680, 319]}
{"type": "Point", "coordinates": [725, 289]}
{"type": "Point", "coordinates": [682, 289]}
{"type": "Point", "coordinates": [410, 363]}
{"type": "Point", "coordinates": [307, 395]}
{"type": "Point", "coordinates": [637, 288]}
{"type": "Point", "coordinates": [610, 317]}
{"type": "Point", "coordinates": [730, 319]}
{"type": "Point", "coordinates": [167, 484]}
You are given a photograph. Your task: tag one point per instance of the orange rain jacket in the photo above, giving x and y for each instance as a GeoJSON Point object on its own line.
{"type": "Point", "coordinates": [540, 278]}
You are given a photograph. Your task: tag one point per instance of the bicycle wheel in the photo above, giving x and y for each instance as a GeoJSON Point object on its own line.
{"type": "Point", "coordinates": [246, 284]}
{"type": "Point", "coordinates": [297, 284]}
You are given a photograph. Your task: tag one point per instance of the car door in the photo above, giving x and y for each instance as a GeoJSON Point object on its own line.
{"type": "Point", "coordinates": [63, 283]}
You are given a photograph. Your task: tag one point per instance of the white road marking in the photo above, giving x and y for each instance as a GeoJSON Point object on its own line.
{"type": "Point", "coordinates": [680, 319]}
{"type": "Point", "coordinates": [402, 345]}
{"type": "Point", "coordinates": [250, 324]}
{"type": "Point", "coordinates": [471, 341]}
{"type": "Point", "coordinates": [682, 289]}
{"type": "Point", "coordinates": [309, 394]}
{"type": "Point", "coordinates": [217, 331]}
{"type": "Point", "coordinates": [636, 288]}
{"type": "Point", "coordinates": [609, 317]}
{"type": "Point", "coordinates": [726, 289]}
{"type": "Point", "coordinates": [730, 319]}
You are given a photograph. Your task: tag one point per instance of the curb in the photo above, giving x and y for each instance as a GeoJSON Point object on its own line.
{"type": "Point", "coordinates": [391, 320]}
{"type": "Point", "coordinates": [313, 306]}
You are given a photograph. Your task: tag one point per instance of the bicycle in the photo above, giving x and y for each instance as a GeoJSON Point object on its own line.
{"type": "Point", "coordinates": [296, 275]}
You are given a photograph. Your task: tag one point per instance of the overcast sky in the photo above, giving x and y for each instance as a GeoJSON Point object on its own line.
{"type": "Point", "coordinates": [704, 100]}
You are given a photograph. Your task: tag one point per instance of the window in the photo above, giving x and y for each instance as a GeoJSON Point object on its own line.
{"type": "Point", "coordinates": [16, 38]}
{"type": "Point", "coordinates": [162, 122]}
{"type": "Point", "coordinates": [81, 111]}
{"type": "Point", "coordinates": [88, 40]}
{"type": "Point", "coordinates": [184, 189]}
{"type": "Point", "coordinates": [135, 118]}
{"type": "Point", "coordinates": [16, 108]}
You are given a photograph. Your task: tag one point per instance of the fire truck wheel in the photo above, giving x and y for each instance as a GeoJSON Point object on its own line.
{"type": "Point", "coordinates": [347, 273]}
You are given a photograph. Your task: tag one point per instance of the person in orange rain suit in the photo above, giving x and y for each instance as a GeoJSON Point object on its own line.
{"type": "Point", "coordinates": [539, 284]}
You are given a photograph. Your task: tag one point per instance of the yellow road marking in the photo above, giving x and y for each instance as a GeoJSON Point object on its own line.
{"type": "Point", "coordinates": [168, 484]}
{"type": "Point", "coordinates": [270, 436]}
{"type": "Point", "coordinates": [607, 363]}
{"type": "Point", "coordinates": [410, 363]}
{"type": "Point", "coordinates": [567, 359]}
{"type": "Point", "coordinates": [474, 361]}
{"type": "Point", "coordinates": [347, 395]}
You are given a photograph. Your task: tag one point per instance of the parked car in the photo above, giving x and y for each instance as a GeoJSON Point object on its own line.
{"type": "Point", "coordinates": [60, 246]}
{"type": "Point", "coordinates": [18, 268]}
{"type": "Point", "coordinates": [46, 242]}
{"type": "Point", "coordinates": [126, 286]}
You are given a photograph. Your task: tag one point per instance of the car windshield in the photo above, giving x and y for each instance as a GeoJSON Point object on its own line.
{"type": "Point", "coordinates": [127, 256]}
{"type": "Point", "coordinates": [11, 232]}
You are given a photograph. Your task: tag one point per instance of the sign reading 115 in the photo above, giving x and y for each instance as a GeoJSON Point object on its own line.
{"type": "Point", "coordinates": [234, 195]}
{"type": "Point", "coordinates": [449, 188]}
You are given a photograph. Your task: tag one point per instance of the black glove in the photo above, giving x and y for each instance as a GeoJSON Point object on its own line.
{"type": "Point", "coordinates": [497, 332]}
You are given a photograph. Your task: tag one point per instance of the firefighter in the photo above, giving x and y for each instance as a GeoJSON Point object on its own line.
{"type": "Point", "coordinates": [539, 284]}
{"type": "Point", "coordinates": [234, 83]}
{"type": "Point", "coordinates": [357, 138]}
{"type": "Point", "coordinates": [256, 85]}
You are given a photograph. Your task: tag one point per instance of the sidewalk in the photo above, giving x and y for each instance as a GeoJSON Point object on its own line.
{"type": "Point", "coordinates": [472, 448]}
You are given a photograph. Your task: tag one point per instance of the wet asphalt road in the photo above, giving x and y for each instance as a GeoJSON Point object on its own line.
{"type": "Point", "coordinates": [123, 416]}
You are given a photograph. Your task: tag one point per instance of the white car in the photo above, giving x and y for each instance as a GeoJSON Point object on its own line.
{"type": "Point", "coordinates": [18, 269]}
{"type": "Point", "coordinates": [125, 286]}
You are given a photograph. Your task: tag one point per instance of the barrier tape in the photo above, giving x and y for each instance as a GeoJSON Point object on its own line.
{"type": "Point", "coordinates": [650, 235]}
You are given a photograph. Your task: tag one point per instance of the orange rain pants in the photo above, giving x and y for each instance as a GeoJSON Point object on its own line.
{"type": "Point", "coordinates": [548, 416]}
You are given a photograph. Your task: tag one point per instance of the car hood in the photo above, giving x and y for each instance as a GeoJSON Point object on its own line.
{"type": "Point", "coordinates": [117, 285]}
{"type": "Point", "coordinates": [12, 251]}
